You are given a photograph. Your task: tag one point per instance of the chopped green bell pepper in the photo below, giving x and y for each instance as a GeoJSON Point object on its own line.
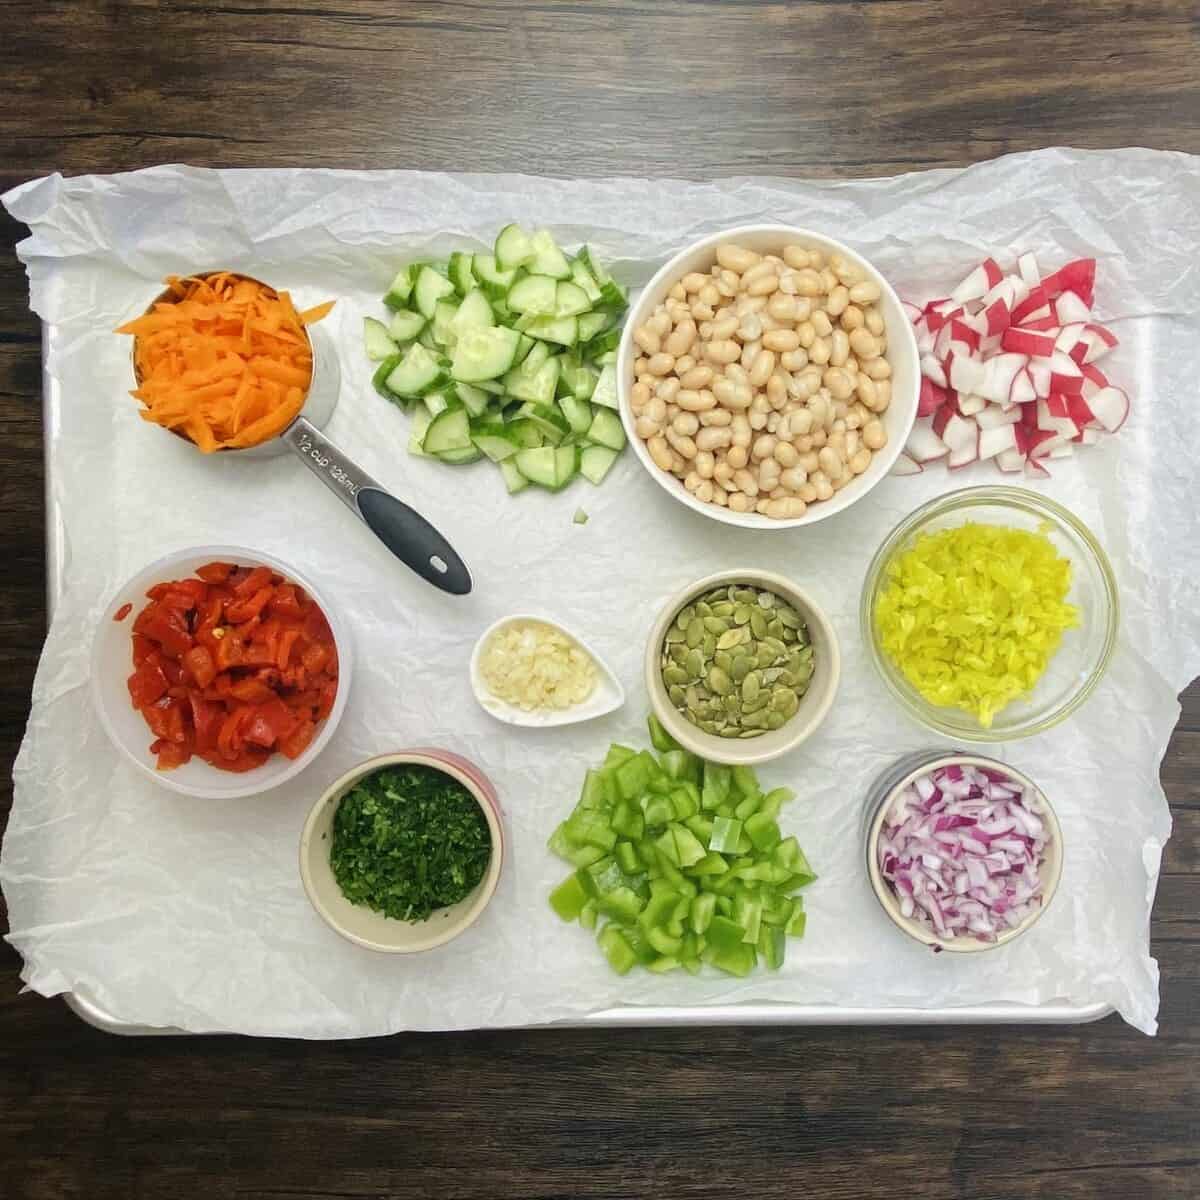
{"type": "Point", "coordinates": [660, 739]}
{"type": "Point", "coordinates": [748, 914]}
{"type": "Point", "coordinates": [725, 834]}
{"type": "Point", "coordinates": [715, 792]}
{"type": "Point", "coordinates": [763, 831]}
{"type": "Point", "coordinates": [617, 754]}
{"type": "Point", "coordinates": [771, 946]}
{"type": "Point", "coordinates": [703, 909]}
{"type": "Point", "coordinates": [569, 898]}
{"type": "Point", "coordinates": [588, 915]}
{"type": "Point", "coordinates": [597, 790]}
{"type": "Point", "coordinates": [680, 765]}
{"type": "Point", "coordinates": [745, 782]}
{"type": "Point", "coordinates": [628, 821]}
{"type": "Point", "coordinates": [657, 810]}
{"type": "Point", "coordinates": [617, 949]}
{"type": "Point", "coordinates": [685, 800]}
{"type": "Point", "coordinates": [633, 776]}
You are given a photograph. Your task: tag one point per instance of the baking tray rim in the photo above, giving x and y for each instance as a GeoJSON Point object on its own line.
{"type": "Point", "coordinates": [659, 1016]}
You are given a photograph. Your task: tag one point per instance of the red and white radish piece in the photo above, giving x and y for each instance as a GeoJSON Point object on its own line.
{"type": "Point", "coordinates": [1008, 370]}
{"type": "Point", "coordinates": [906, 466]}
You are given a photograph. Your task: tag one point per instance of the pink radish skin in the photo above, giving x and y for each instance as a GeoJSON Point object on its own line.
{"type": "Point", "coordinates": [979, 282]}
{"type": "Point", "coordinates": [1028, 342]}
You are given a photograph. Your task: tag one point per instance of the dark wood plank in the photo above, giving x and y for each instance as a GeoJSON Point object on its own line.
{"type": "Point", "coordinates": [841, 87]}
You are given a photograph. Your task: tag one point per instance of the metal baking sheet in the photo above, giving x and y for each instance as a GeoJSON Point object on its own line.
{"type": "Point", "coordinates": [660, 1015]}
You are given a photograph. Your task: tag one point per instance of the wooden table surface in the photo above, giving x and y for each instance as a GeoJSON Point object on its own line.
{"type": "Point", "coordinates": [702, 89]}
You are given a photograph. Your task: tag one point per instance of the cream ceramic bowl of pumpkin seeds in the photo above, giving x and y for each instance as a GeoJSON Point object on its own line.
{"type": "Point", "coordinates": [742, 666]}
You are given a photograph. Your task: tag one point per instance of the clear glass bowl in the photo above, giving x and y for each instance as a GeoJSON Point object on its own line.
{"type": "Point", "coordinates": [1084, 652]}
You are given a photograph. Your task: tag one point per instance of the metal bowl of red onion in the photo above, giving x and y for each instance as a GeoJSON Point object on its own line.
{"type": "Point", "coordinates": [963, 852]}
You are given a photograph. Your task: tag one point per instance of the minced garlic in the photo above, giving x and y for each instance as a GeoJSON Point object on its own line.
{"type": "Point", "coordinates": [532, 665]}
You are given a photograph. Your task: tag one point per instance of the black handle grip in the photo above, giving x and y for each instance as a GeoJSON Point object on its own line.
{"type": "Point", "coordinates": [413, 540]}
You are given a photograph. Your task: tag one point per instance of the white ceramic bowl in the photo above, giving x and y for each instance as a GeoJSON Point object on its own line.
{"type": "Point", "coordinates": [814, 706]}
{"type": "Point", "coordinates": [902, 354]}
{"type": "Point", "coordinates": [879, 801]}
{"type": "Point", "coordinates": [112, 665]}
{"type": "Point", "coordinates": [364, 926]}
{"type": "Point", "coordinates": [607, 696]}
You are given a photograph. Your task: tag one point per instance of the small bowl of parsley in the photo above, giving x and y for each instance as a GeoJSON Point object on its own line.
{"type": "Point", "coordinates": [403, 852]}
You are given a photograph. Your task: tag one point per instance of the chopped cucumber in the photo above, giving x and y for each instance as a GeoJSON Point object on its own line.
{"type": "Point", "coordinates": [421, 421]}
{"type": "Point", "coordinates": [496, 441]}
{"type": "Point", "coordinates": [405, 325]}
{"type": "Point", "coordinates": [484, 354]}
{"type": "Point", "coordinates": [606, 430]}
{"type": "Point", "coordinates": [460, 458]}
{"type": "Point", "coordinates": [379, 379]}
{"type": "Point", "coordinates": [578, 413]}
{"type": "Point", "coordinates": [449, 430]}
{"type": "Point", "coordinates": [460, 272]}
{"type": "Point", "coordinates": [525, 345]}
{"type": "Point", "coordinates": [400, 288]}
{"type": "Point", "coordinates": [524, 433]}
{"type": "Point", "coordinates": [513, 479]}
{"type": "Point", "coordinates": [418, 372]}
{"type": "Point", "coordinates": [377, 340]}
{"type": "Point", "coordinates": [602, 344]}
{"type": "Point", "coordinates": [513, 248]}
{"type": "Point", "coordinates": [566, 466]}
{"type": "Point", "coordinates": [570, 300]}
{"type": "Point", "coordinates": [584, 279]}
{"type": "Point", "coordinates": [474, 400]}
{"type": "Point", "coordinates": [429, 288]}
{"type": "Point", "coordinates": [505, 352]}
{"type": "Point", "coordinates": [581, 518]}
{"type": "Point", "coordinates": [444, 312]}
{"type": "Point", "coordinates": [592, 323]}
{"type": "Point", "coordinates": [563, 330]}
{"type": "Point", "coordinates": [538, 466]}
{"type": "Point", "coordinates": [580, 379]}
{"type": "Point", "coordinates": [595, 462]}
{"type": "Point", "coordinates": [495, 282]}
{"type": "Point", "coordinates": [473, 313]}
{"type": "Point", "coordinates": [605, 391]}
{"type": "Point", "coordinates": [536, 387]}
{"type": "Point", "coordinates": [612, 294]}
{"type": "Point", "coordinates": [549, 421]}
{"type": "Point", "coordinates": [548, 259]}
{"type": "Point", "coordinates": [438, 402]}
{"type": "Point", "coordinates": [535, 294]}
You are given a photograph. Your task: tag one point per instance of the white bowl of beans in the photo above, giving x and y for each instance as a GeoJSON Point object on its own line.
{"type": "Point", "coordinates": [768, 377]}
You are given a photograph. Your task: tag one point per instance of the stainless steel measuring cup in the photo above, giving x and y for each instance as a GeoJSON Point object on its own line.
{"type": "Point", "coordinates": [407, 534]}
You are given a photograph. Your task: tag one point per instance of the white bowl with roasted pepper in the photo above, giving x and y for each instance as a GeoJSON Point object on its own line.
{"type": "Point", "coordinates": [768, 377]}
{"type": "Point", "coordinates": [741, 667]}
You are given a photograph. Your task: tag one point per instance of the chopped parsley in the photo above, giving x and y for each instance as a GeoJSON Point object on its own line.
{"type": "Point", "coordinates": [408, 840]}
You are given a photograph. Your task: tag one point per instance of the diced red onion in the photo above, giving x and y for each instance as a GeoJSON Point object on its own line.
{"type": "Point", "coordinates": [962, 848]}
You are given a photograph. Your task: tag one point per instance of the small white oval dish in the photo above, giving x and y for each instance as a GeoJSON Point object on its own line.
{"type": "Point", "coordinates": [607, 696]}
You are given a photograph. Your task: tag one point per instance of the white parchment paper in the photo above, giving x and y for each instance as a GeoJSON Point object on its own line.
{"type": "Point", "coordinates": [170, 911]}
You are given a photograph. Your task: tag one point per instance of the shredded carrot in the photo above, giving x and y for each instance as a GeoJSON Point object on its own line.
{"type": "Point", "coordinates": [226, 362]}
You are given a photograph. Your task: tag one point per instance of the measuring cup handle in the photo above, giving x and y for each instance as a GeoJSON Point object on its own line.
{"type": "Point", "coordinates": [411, 538]}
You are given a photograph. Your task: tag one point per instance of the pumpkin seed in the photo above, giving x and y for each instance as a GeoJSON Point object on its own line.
{"type": "Point", "coordinates": [736, 661]}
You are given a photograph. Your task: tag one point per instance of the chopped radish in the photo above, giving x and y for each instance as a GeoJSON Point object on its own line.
{"type": "Point", "coordinates": [924, 445]}
{"type": "Point", "coordinates": [1110, 406]}
{"type": "Point", "coordinates": [995, 415]}
{"type": "Point", "coordinates": [1007, 369]}
{"type": "Point", "coordinates": [996, 440]}
{"type": "Point", "coordinates": [962, 436]}
{"type": "Point", "coordinates": [906, 466]}
{"type": "Point", "coordinates": [979, 282]}
{"type": "Point", "coordinates": [933, 396]}
{"type": "Point", "coordinates": [932, 369]}
{"type": "Point", "coordinates": [1022, 390]}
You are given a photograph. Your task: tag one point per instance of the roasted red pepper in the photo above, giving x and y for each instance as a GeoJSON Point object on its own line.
{"type": "Point", "coordinates": [231, 666]}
